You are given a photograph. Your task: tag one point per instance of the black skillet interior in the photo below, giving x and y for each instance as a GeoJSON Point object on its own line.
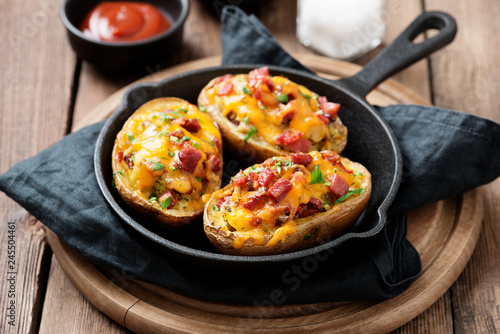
{"type": "Point", "coordinates": [370, 142]}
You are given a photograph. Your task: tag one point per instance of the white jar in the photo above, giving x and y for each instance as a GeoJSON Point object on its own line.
{"type": "Point", "coordinates": [343, 29]}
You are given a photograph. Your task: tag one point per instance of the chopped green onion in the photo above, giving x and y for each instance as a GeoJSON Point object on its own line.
{"type": "Point", "coordinates": [307, 96]}
{"type": "Point", "coordinates": [177, 114]}
{"type": "Point", "coordinates": [153, 199]}
{"type": "Point", "coordinates": [157, 165]}
{"type": "Point", "coordinates": [317, 176]}
{"type": "Point", "coordinates": [283, 98]}
{"type": "Point", "coordinates": [246, 119]}
{"type": "Point", "coordinates": [215, 207]}
{"type": "Point", "coordinates": [165, 118]}
{"type": "Point", "coordinates": [181, 110]}
{"type": "Point", "coordinates": [166, 203]}
{"type": "Point", "coordinates": [170, 154]}
{"type": "Point", "coordinates": [265, 228]}
{"type": "Point", "coordinates": [341, 199]}
{"type": "Point", "coordinates": [250, 134]}
{"type": "Point", "coordinates": [130, 136]}
{"type": "Point", "coordinates": [203, 109]}
{"type": "Point", "coordinates": [198, 178]}
{"type": "Point", "coordinates": [247, 91]}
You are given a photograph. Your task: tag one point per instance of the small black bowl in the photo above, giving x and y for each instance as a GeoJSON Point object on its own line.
{"type": "Point", "coordinates": [124, 56]}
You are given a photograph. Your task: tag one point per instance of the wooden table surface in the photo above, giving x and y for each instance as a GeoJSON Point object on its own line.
{"type": "Point", "coordinates": [45, 90]}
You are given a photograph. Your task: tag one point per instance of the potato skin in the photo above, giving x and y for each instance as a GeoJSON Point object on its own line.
{"type": "Point", "coordinates": [321, 227]}
{"type": "Point", "coordinates": [171, 217]}
{"type": "Point", "coordinates": [252, 151]}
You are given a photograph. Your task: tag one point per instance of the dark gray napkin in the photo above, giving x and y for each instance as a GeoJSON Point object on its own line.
{"type": "Point", "coordinates": [446, 153]}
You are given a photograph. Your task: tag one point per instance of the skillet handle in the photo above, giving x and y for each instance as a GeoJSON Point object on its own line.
{"type": "Point", "coordinates": [402, 52]}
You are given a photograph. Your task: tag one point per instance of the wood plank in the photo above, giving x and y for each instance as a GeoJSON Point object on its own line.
{"type": "Point", "coordinates": [474, 88]}
{"type": "Point", "coordinates": [36, 72]}
{"type": "Point", "coordinates": [67, 317]}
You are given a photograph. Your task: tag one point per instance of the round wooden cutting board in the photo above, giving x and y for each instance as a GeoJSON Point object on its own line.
{"type": "Point", "coordinates": [444, 233]}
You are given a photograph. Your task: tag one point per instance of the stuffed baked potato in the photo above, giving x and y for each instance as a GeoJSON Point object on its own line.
{"type": "Point", "coordinates": [166, 157]}
{"type": "Point", "coordinates": [287, 203]}
{"type": "Point", "coordinates": [261, 116]}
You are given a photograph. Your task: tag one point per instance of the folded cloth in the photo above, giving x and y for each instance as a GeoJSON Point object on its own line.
{"type": "Point", "coordinates": [446, 153]}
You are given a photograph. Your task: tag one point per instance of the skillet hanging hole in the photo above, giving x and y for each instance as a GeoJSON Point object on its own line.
{"type": "Point", "coordinates": [425, 35]}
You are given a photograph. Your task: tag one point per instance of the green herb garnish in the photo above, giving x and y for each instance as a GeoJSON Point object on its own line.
{"type": "Point", "coordinates": [165, 118]}
{"type": "Point", "coordinates": [166, 203]}
{"type": "Point", "coordinates": [246, 119]}
{"type": "Point", "coordinates": [198, 178]}
{"type": "Point", "coordinates": [130, 136]}
{"type": "Point", "coordinates": [265, 228]}
{"type": "Point", "coordinates": [203, 109]}
{"type": "Point", "coordinates": [215, 207]}
{"type": "Point", "coordinates": [317, 176]}
{"type": "Point", "coordinates": [113, 180]}
{"type": "Point", "coordinates": [177, 114]}
{"type": "Point", "coordinates": [246, 91]}
{"type": "Point", "coordinates": [283, 98]}
{"type": "Point", "coordinates": [250, 134]}
{"type": "Point", "coordinates": [170, 154]}
{"type": "Point", "coordinates": [181, 110]}
{"type": "Point", "coordinates": [307, 96]}
{"type": "Point", "coordinates": [349, 194]}
{"type": "Point", "coordinates": [157, 165]}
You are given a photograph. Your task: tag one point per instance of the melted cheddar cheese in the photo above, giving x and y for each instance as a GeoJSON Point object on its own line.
{"type": "Point", "coordinates": [254, 205]}
{"type": "Point", "coordinates": [268, 109]}
{"type": "Point", "coordinates": [169, 148]}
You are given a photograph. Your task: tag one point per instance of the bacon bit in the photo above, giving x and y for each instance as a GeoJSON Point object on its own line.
{"type": "Point", "coordinates": [315, 202]}
{"type": "Point", "coordinates": [177, 133]}
{"type": "Point", "coordinates": [225, 88]}
{"type": "Point", "coordinates": [239, 181]}
{"type": "Point", "coordinates": [251, 203]}
{"type": "Point", "coordinates": [330, 109]}
{"type": "Point", "coordinates": [301, 159]}
{"type": "Point", "coordinates": [288, 118]}
{"type": "Point", "coordinates": [128, 161]}
{"type": "Point", "coordinates": [301, 145]}
{"type": "Point", "coordinates": [342, 165]}
{"type": "Point", "coordinates": [252, 176]}
{"type": "Point", "coordinates": [180, 121]}
{"type": "Point", "coordinates": [224, 78]}
{"type": "Point", "coordinates": [192, 125]}
{"type": "Point", "coordinates": [232, 117]}
{"type": "Point", "coordinates": [213, 163]}
{"type": "Point", "coordinates": [279, 190]}
{"type": "Point", "coordinates": [217, 143]}
{"type": "Point", "coordinates": [291, 97]}
{"type": "Point", "coordinates": [223, 200]}
{"type": "Point", "coordinates": [120, 156]}
{"type": "Point", "coordinates": [330, 156]}
{"type": "Point", "coordinates": [323, 118]}
{"type": "Point", "coordinates": [306, 210]}
{"type": "Point", "coordinates": [338, 186]}
{"type": "Point", "coordinates": [189, 157]}
{"type": "Point", "coordinates": [288, 137]}
{"type": "Point", "coordinates": [266, 177]}
{"type": "Point", "coordinates": [256, 221]}
{"type": "Point", "coordinates": [252, 181]}
{"type": "Point", "coordinates": [260, 75]}
{"type": "Point", "coordinates": [166, 195]}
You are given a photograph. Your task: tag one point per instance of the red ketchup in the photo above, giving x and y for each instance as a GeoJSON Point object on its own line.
{"type": "Point", "coordinates": [124, 21]}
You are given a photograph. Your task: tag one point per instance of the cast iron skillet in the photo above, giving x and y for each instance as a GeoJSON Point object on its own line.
{"type": "Point", "coordinates": [371, 142]}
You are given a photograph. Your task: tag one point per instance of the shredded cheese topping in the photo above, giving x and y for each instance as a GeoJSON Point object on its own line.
{"type": "Point", "coordinates": [254, 205]}
{"type": "Point", "coordinates": [169, 153]}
